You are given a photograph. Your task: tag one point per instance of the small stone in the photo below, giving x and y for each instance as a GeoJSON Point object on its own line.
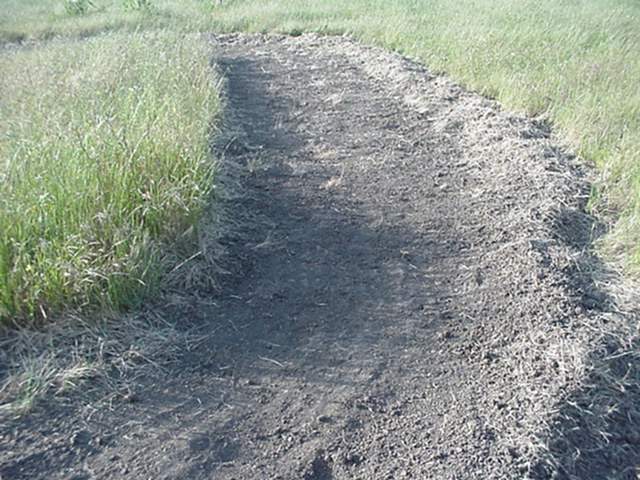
{"type": "Point", "coordinates": [324, 419]}
{"type": "Point", "coordinates": [489, 356]}
{"type": "Point", "coordinates": [441, 455]}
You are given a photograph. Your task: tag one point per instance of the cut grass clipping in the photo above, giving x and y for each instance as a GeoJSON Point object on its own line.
{"type": "Point", "coordinates": [57, 358]}
{"type": "Point", "coordinates": [104, 169]}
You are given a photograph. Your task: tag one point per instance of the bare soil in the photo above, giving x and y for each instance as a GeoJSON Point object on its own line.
{"type": "Point", "coordinates": [410, 296]}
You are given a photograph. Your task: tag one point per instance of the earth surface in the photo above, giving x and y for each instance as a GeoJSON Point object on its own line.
{"type": "Point", "coordinates": [407, 295]}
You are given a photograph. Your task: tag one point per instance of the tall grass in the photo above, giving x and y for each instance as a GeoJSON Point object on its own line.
{"type": "Point", "coordinates": [25, 20]}
{"type": "Point", "coordinates": [104, 168]}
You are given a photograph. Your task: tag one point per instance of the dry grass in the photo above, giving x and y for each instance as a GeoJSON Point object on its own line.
{"type": "Point", "coordinates": [594, 426]}
{"type": "Point", "coordinates": [59, 357]}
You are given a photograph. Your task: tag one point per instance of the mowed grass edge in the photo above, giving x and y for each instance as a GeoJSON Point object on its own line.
{"type": "Point", "coordinates": [105, 169]}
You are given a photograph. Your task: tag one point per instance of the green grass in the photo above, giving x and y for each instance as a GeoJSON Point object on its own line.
{"type": "Point", "coordinates": [104, 168]}
{"type": "Point", "coordinates": [97, 183]}
{"type": "Point", "coordinates": [25, 20]}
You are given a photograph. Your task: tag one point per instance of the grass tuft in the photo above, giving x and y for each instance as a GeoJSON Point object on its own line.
{"type": "Point", "coordinates": [77, 7]}
{"type": "Point", "coordinates": [140, 5]}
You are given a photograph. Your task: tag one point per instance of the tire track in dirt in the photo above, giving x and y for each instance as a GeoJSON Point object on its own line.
{"type": "Point", "coordinates": [408, 287]}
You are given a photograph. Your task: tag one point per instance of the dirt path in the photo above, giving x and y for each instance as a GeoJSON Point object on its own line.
{"type": "Point", "coordinates": [407, 293]}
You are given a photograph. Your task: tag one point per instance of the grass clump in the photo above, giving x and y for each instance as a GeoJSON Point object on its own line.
{"type": "Point", "coordinates": [57, 358]}
{"type": "Point", "coordinates": [77, 7]}
{"type": "Point", "coordinates": [104, 169]}
{"type": "Point", "coordinates": [144, 5]}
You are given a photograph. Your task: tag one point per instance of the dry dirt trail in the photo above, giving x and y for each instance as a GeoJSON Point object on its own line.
{"type": "Point", "coordinates": [403, 302]}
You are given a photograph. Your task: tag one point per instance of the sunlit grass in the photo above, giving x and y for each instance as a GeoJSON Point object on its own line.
{"type": "Point", "coordinates": [26, 20]}
{"type": "Point", "coordinates": [104, 168]}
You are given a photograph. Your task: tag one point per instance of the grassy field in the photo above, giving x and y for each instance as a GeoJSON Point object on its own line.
{"type": "Point", "coordinates": [104, 165]}
{"type": "Point", "coordinates": [104, 141]}
{"type": "Point", "coordinates": [22, 20]}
